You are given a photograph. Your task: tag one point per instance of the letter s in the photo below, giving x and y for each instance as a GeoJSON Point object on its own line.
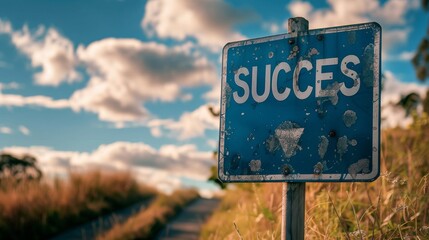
{"type": "Point", "coordinates": [242, 84]}
{"type": "Point", "coordinates": [351, 74]}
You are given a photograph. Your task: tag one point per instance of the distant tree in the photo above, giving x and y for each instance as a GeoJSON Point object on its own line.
{"type": "Point", "coordinates": [213, 112]}
{"type": "Point", "coordinates": [421, 57]}
{"type": "Point", "coordinates": [420, 62]}
{"type": "Point", "coordinates": [410, 103]}
{"type": "Point", "coordinates": [18, 169]}
{"type": "Point", "coordinates": [426, 103]}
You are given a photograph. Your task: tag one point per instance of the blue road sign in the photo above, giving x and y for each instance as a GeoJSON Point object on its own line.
{"type": "Point", "coordinates": [301, 107]}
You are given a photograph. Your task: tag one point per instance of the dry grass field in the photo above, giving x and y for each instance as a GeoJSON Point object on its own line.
{"type": "Point", "coordinates": [395, 206]}
{"type": "Point", "coordinates": [37, 210]}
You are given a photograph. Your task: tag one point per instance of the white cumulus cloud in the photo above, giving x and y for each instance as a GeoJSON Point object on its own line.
{"type": "Point", "coordinates": [273, 28]}
{"type": "Point", "coordinates": [5, 130]}
{"type": "Point", "coordinates": [391, 15]}
{"type": "Point", "coordinates": [343, 12]}
{"type": "Point", "coordinates": [189, 125]}
{"type": "Point", "coordinates": [210, 22]}
{"type": "Point", "coordinates": [5, 26]}
{"type": "Point", "coordinates": [49, 50]}
{"type": "Point", "coordinates": [160, 167]}
{"type": "Point", "coordinates": [14, 100]}
{"type": "Point", "coordinates": [24, 130]}
{"type": "Point", "coordinates": [126, 73]}
{"type": "Point", "coordinates": [403, 56]}
{"type": "Point", "coordinates": [393, 91]}
{"type": "Point", "coordinates": [10, 85]}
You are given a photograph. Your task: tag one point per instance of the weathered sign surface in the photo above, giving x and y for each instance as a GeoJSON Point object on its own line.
{"type": "Point", "coordinates": [302, 106]}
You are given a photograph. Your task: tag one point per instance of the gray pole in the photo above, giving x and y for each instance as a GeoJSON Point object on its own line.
{"type": "Point", "coordinates": [293, 205]}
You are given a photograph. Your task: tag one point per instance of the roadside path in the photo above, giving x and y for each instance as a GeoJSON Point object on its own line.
{"type": "Point", "coordinates": [88, 231]}
{"type": "Point", "coordinates": [187, 225]}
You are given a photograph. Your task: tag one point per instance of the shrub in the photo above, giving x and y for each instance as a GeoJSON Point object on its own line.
{"type": "Point", "coordinates": [36, 210]}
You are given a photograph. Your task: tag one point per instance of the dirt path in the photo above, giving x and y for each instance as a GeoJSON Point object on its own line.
{"type": "Point", "coordinates": [187, 225]}
{"type": "Point", "coordinates": [90, 230]}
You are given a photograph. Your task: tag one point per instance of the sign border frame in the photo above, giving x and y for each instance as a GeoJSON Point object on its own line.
{"type": "Point", "coordinates": [296, 177]}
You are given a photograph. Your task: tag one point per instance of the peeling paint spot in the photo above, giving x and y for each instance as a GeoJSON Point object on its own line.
{"type": "Point", "coordinates": [255, 165]}
{"type": "Point", "coordinates": [288, 135]}
{"type": "Point", "coordinates": [287, 169]}
{"type": "Point", "coordinates": [349, 118]}
{"type": "Point", "coordinates": [318, 168]}
{"type": "Point", "coordinates": [330, 94]}
{"type": "Point", "coordinates": [323, 146]}
{"type": "Point", "coordinates": [251, 137]}
{"type": "Point", "coordinates": [342, 146]}
{"type": "Point", "coordinates": [270, 55]}
{"type": "Point", "coordinates": [368, 65]}
{"type": "Point", "coordinates": [235, 161]}
{"type": "Point", "coordinates": [361, 166]}
{"type": "Point", "coordinates": [312, 52]}
{"type": "Point", "coordinates": [293, 52]}
{"type": "Point", "coordinates": [228, 94]}
{"type": "Point", "coordinates": [351, 37]}
{"type": "Point", "coordinates": [353, 142]}
{"type": "Point", "coordinates": [320, 109]}
{"type": "Point", "coordinates": [272, 144]}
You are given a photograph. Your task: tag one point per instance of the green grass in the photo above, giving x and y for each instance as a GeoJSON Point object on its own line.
{"type": "Point", "coordinates": [37, 210]}
{"type": "Point", "coordinates": [395, 206]}
{"type": "Point", "coordinates": [148, 222]}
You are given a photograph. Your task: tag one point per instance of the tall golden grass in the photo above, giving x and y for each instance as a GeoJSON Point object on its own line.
{"type": "Point", "coordinates": [148, 222]}
{"type": "Point", "coordinates": [395, 206]}
{"type": "Point", "coordinates": [37, 210]}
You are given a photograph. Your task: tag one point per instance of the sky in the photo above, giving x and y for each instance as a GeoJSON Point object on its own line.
{"type": "Point", "coordinates": [127, 84]}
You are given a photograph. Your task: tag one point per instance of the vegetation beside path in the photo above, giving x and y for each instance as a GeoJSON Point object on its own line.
{"type": "Point", "coordinates": [32, 209]}
{"type": "Point", "coordinates": [148, 222]}
{"type": "Point", "coordinates": [395, 206]}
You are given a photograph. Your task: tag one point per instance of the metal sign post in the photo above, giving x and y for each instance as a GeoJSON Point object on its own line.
{"type": "Point", "coordinates": [299, 107]}
{"type": "Point", "coordinates": [293, 198]}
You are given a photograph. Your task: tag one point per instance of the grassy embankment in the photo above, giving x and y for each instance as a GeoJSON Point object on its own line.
{"type": "Point", "coordinates": [395, 206]}
{"type": "Point", "coordinates": [36, 210]}
{"type": "Point", "coordinates": [147, 223]}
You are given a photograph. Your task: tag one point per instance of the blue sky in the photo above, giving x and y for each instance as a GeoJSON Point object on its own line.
{"type": "Point", "coordinates": [127, 84]}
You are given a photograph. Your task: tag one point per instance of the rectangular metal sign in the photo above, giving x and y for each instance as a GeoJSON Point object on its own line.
{"type": "Point", "coordinates": [301, 107]}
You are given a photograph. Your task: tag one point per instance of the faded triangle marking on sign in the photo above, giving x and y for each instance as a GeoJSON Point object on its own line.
{"type": "Point", "coordinates": [288, 134]}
